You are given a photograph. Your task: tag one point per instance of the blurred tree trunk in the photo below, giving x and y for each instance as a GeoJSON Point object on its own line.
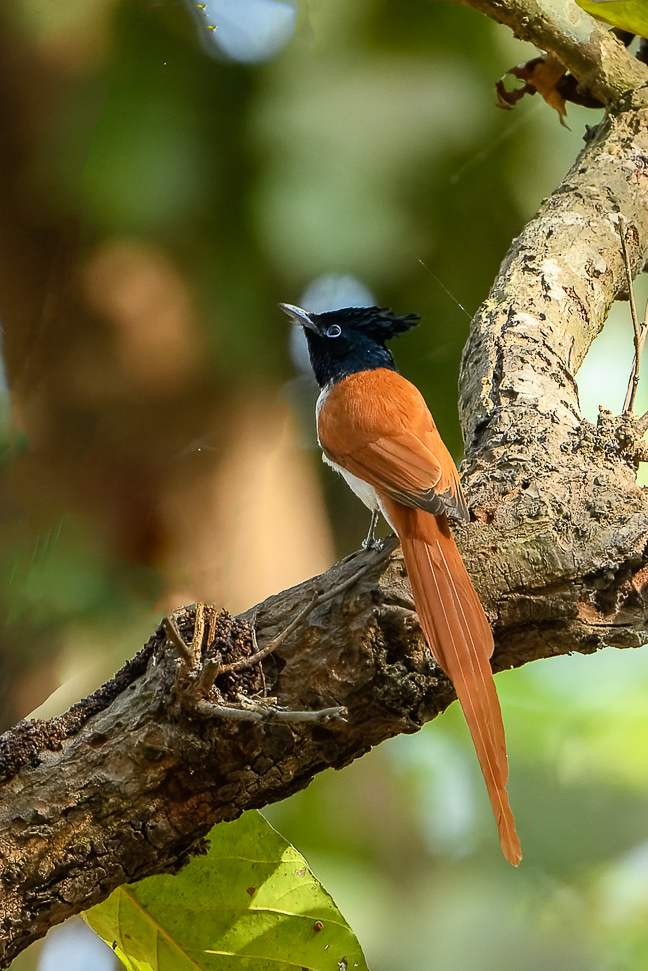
{"type": "Point", "coordinates": [123, 420]}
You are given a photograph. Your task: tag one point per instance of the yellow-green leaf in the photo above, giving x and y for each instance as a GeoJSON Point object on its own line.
{"type": "Point", "coordinates": [630, 15]}
{"type": "Point", "coordinates": [250, 904]}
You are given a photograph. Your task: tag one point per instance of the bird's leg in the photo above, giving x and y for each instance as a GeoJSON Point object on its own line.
{"type": "Point", "coordinates": [371, 542]}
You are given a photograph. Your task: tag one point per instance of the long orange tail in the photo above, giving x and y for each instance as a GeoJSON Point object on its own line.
{"type": "Point", "coordinates": [461, 642]}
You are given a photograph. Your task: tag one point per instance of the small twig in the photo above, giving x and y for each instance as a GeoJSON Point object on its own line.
{"type": "Point", "coordinates": [176, 638]}
{"type": "Point", "coordinates": [642, 339]}
{"type": "Point", "coordinates": [203, 707]}
{"type": "Point", "coordinates": [190, 654]}
{"type": "Point", "coordinates": [245, 709]}
{"type": "Point", "coordinates": [319, 715]}
{"type": "Point", "coordinates": [266, 713]}
{"type": "Point", "coordinates": [263, 652]}
{"type": "Point", "coordinates": [210, 671]}
{"type": "Point", "coordinates": [633, 382]}
{"type": "Point", "coordinates": [639, 333]}
{"type": "Point", "coordinates": [211, 629]}
{"type": "Point", "coordinates": [318, 598]}
{"type": "Point", "coordinates": [198, 633]}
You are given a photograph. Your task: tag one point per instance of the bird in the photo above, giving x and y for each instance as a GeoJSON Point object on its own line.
{"type": "Point", "coordinates": [376, 431]}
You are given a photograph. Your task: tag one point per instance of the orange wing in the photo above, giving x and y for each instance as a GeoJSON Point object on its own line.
{"type": "Point", "coordinates": [390, 441]}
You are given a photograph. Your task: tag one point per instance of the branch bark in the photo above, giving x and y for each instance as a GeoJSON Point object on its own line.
{"type": "Point", "coordinates": [600, 62]}
{"type": "Point", "coordinates": [129, 781]}
{"type": "Point", "coordinates": [562, 551]}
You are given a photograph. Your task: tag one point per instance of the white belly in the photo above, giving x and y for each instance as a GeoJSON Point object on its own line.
{"type": "Point", "coordinates": [361, 488]}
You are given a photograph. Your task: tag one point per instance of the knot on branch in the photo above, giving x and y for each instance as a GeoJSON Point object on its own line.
{"type": "Point", "coordinates": [615, 438]}
{"type": "Point", "coordinates": [221, 671]}
{"type": "Point", "coordinates": [210, 642]}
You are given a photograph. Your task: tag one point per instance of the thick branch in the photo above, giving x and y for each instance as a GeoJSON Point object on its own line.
{"type": "Point", "coordinates": [601, 64]}
{"type": "Point", "coordinates": [129, 781]}
{"type": "Point", "coordinates": [562, 551]}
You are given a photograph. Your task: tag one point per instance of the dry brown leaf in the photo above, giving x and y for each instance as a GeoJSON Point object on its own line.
{"type": "Point", "coordinates": [542, 74]}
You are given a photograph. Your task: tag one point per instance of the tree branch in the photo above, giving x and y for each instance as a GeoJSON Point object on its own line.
{"type": "Point", "coordinates": [562, 551]}
{"type": "Point", "coordinates": [600, 62]}
{"type": "Point", "coordinates": [129, 781]}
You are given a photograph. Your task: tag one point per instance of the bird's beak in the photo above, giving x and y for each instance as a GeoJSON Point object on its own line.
{"type": "Point", "coordinates": [299, 316]}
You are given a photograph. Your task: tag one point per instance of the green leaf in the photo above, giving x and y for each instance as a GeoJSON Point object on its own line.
{"type": "Point", "coordinates": [630, 15]}
{"type": "Point", "coordinates": [250, 904]}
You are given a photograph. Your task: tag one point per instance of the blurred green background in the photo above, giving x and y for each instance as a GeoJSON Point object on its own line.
{"type": "Point", "coordinates": [159, 197]}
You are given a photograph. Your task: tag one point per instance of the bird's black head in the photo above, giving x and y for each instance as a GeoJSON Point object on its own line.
{"type": "Point", "coordinates": [342, 342]}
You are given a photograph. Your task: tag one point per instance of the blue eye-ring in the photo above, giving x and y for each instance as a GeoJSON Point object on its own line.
{"type": "Point", "coordinates": [334, 330]}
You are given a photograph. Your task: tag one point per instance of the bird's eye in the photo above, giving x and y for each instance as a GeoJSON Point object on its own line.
{"type": "Point", "coordinates": [334, 330]}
